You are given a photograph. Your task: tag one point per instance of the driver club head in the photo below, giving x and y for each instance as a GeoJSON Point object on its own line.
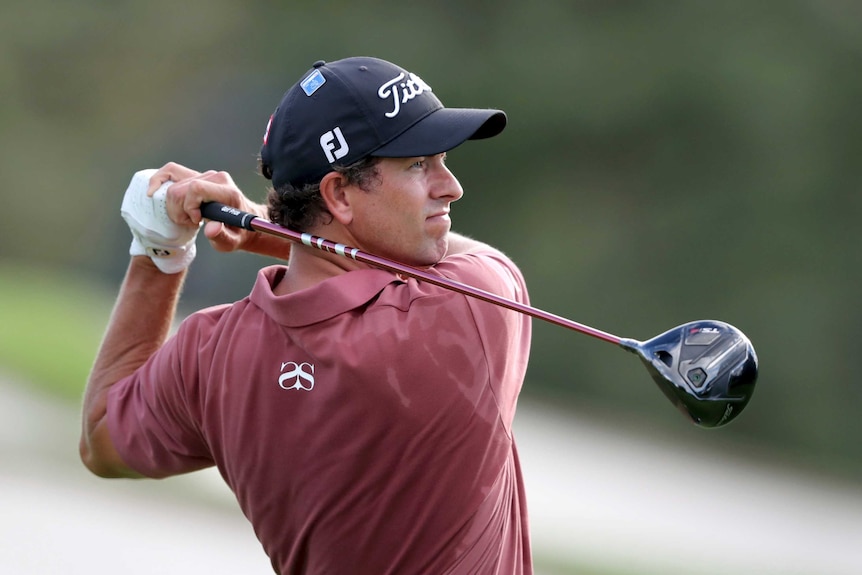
{"type": "Point", "coordinates": [706, 368]}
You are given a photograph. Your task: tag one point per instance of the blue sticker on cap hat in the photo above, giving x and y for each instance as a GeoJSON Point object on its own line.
{"type": "Point", "coordinates": [314, 81]}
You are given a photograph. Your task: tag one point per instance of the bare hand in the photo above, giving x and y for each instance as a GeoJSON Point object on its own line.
{"type": "Point", "coordinates": [191, 188]}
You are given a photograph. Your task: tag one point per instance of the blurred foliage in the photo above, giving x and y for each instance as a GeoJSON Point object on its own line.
{"type": "Point", "coordinates": [664, 162]}
{"type": "Point", "coordinates": [50, 333]}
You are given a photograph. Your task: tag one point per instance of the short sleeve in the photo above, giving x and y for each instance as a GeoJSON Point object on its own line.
{"type": "Point", "coordinates": [154, 414]}
{"type": "Point", "coordinates": [504, 333]}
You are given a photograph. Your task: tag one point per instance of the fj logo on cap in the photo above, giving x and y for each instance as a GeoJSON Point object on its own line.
{"type": "Point", "coordinates": [402, 92]}
{"type": "Point", "coordinates": [314, 81]}
{"type": "Point", "coordinates": [328, 143]}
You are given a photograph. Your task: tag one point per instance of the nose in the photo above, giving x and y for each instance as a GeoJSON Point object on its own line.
{"type": "Point", "coordinates": [446, 185]}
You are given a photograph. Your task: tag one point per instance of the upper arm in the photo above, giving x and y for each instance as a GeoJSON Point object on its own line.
{"type": "Point", "coordinates": [504, 333]}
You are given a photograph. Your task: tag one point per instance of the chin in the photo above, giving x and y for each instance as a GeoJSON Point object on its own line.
{"type": "Point", "coordinates": [429, 259]}
{"type": "Point", "coordinates": [425, 262]}
{"type": "Point", "coordinates": [423, 257]}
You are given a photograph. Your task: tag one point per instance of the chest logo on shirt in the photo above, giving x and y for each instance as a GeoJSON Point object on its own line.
{"type": "Point", "coordinates": [296, 376]}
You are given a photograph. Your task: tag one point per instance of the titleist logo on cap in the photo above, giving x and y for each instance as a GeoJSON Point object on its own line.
{"type": "Point", "coordinates": [413, 87]}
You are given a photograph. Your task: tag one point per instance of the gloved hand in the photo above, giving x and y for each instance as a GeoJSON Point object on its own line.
{"type": "Point", "coordinates": [170, 246]}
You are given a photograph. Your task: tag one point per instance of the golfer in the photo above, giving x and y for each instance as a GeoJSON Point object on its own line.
{"type": "Point", "coordinates": [362, 419]}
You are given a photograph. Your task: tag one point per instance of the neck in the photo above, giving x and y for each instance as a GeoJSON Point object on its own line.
{"type": "Point", "coordinates": [309, 266]}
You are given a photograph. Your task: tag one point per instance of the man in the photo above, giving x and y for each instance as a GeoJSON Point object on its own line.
{"type": "Point", "coordinates": [363, 420]}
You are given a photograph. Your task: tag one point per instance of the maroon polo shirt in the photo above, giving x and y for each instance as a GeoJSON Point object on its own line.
{"type": "Point", "coordinates": [364, 424]}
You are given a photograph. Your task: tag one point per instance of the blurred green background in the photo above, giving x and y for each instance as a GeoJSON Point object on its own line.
{"type": "Point", "coordinates": [664, 162]}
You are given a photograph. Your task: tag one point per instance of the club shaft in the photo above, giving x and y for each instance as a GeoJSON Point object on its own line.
{"type": "Point", "coordinates": [233, 217]}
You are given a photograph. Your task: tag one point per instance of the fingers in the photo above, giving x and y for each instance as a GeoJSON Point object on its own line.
{"type": "Point", "coordinates": [221, 237]}
{"type": "Point", "coordinates": [190, 188]}
{"type": "Point", "coordinates": [170, 172]}
{"type": "Point", "coordinates": [185, 197]}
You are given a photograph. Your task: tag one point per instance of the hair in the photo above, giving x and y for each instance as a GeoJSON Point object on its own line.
{"type": "Point", "coordinates": [302, 207]}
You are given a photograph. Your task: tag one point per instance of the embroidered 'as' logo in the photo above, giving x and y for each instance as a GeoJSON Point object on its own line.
{"type": "Point", "coordinates": [297, 376]}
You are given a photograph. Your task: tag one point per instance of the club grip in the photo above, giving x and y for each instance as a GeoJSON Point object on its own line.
{"type": "Point", "coordinates": [231, 216]}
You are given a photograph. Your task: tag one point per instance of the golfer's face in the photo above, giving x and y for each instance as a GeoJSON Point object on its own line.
{"type": "Point", "coordinates": [405, 215]}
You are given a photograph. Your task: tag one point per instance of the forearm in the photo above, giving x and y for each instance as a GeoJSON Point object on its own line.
{"type": "Point", "coordinates": [139, 325]}
{"type": "Point", "coordinates": [265, 244]}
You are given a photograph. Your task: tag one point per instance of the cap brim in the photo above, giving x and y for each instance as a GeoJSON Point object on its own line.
{"type": "Point", "coordinates": [443, 130]}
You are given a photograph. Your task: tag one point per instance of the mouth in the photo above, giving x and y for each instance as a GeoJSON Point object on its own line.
{"type": "Point", "coordinates": [438, 216]}
{"type": "Point", "coordinates": [439, 223]}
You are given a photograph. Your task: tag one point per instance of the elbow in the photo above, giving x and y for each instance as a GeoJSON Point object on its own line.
{"type": "Point", "coordinates": [91, 462]}
{"type": "Point", "coordinates": [96, 447]}
{"type": "Point", "coordinates": [95, 464]}
{"type": "Point", "coordinates": [101, 458]}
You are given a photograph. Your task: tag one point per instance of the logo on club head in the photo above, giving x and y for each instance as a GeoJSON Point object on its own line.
{"type": "Point", "coordinates": [701, 329]}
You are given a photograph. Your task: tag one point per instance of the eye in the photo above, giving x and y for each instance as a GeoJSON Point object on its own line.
{"type": "Point", "coordinates": [418, 163]}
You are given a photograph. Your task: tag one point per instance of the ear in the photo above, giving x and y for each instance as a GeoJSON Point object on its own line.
{"type": "Point", "coordinates": [334, 193]}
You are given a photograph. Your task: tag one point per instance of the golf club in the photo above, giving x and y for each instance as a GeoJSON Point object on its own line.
{"type": "Point", "coordinates": [706, 368]}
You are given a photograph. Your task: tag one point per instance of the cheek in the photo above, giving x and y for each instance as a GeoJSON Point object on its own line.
{"type": "Point", "coordinates": [391, 216]}
{"type": "Point", "coordinates": [379, 227]}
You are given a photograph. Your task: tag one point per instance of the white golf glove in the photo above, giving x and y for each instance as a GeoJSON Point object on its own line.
{"type": "Point", "coordinates": [169, 245]}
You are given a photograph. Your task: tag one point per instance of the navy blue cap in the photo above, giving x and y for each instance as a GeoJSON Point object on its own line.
{"type": "Point", "coordinates": [343, 111]}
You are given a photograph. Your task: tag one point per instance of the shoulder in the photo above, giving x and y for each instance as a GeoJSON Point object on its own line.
{"type": "Point", "coordinates": [486, 268]}
{"type": "Point", "coordinates": [205, 319]}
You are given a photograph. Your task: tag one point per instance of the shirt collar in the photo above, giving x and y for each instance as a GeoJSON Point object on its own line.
{"type": "Point", "coordinates": [324, 301]}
